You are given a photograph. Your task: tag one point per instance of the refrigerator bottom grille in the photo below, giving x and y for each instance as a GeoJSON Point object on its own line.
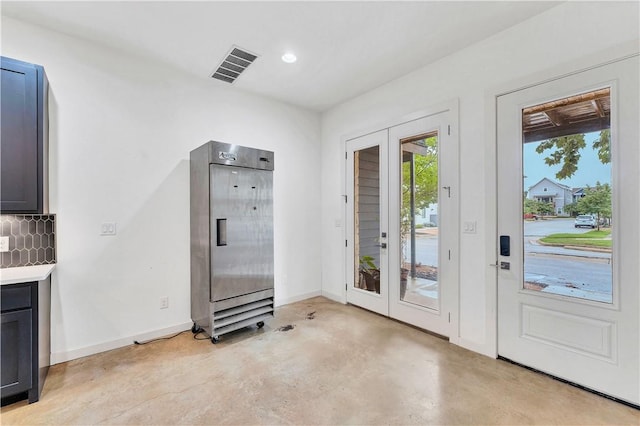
{"type": "Point", "coordinates": [241, 315]}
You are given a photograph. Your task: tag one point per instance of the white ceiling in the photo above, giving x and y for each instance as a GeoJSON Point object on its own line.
{"type": "Point", "coordinates": [344, 48]}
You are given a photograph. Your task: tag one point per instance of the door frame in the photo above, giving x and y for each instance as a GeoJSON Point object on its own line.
{"type": "Point", "coordinates": [452, 106]}
{"type": "Point", "coordinates": [576, 66]}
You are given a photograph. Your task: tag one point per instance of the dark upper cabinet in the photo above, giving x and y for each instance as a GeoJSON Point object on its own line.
{"type": "Point", "coordinates": [24, 134]}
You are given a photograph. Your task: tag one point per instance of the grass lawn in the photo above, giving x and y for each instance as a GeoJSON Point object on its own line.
{"type": "Point", "coordinates": [588, 239]}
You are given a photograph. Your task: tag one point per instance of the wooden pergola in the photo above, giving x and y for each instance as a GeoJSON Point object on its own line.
{"type": "Point", "coordinates": [584, 113]}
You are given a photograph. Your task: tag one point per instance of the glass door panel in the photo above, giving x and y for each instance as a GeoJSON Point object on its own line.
{"type": "Point", "coordinates": [419, 220]}
{"type": "Point", "coordinates": [567, 188]}
{"type": "Point", "coordinates": [366, 195]}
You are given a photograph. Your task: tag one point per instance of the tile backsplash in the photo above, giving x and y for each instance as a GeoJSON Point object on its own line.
{"type": "Point", "coordinates": [32, 240]}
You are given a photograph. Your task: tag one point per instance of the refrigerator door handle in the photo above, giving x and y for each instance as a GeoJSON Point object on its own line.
{"type": "Point", "coordinates": [221, 232]}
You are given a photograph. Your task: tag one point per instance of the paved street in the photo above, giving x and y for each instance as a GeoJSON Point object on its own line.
{"type": "Point", "coordinates": [541, 228]}
{"type": "Point", "coordinates": [579, 273]}
{"type": "Point", "coordinates": [426, 250]}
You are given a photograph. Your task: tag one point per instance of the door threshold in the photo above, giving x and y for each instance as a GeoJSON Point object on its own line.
{"type": "Point", "coordinates": [576, 385]}
{"type": "Point", "coordinates": [423, 330]}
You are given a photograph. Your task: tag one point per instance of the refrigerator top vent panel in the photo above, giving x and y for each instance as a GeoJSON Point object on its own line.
{"type": "Point", "coordinates": [239, 156]}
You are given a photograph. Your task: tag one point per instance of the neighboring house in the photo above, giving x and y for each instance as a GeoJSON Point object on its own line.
{"type": "Point", "coordinates": [552, 192]}
{"type": "Point", "coordinates": [427, 215]}
{"type": "Point", "coordinates": [578, 193]}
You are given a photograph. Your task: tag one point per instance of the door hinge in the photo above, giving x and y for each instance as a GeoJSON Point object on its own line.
{"type": "Point", "coordinates": [449, 129]}
{"type": "Point", "coordinates": [449, 259]}
{"type": "Point", "coordinates": [449, 316]}
{"type": "Point", "coordinates": [346, 243]}
{"type": "Point", "coordinates": [345, 198]}
{"type": "Point", "coordinates": [345, 155]}
{"type": "Point", "coordinates": [346, 286]}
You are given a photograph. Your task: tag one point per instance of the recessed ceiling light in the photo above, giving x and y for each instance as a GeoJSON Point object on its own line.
{"type": "Point", "coordinates": [289, 58]}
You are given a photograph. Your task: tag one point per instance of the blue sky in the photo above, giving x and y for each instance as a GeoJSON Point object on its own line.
{"type": "Point", "coordinates": [590, 169]}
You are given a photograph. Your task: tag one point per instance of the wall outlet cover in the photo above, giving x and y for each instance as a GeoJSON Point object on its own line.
{"type": "Point", "coordinates": [164, 302]}
{"type": "Point", "coordinates": [4, 244]}
{"type": "Point", "coordinates": [108, 228]}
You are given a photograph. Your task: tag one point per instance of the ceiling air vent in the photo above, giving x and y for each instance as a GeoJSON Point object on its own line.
{"type": "Point", "coordinates": [233, 65]}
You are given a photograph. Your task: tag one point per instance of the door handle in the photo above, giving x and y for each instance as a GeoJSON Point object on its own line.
{"type": "Point", "coordinates": [382, 245]}
{"type": "Point", "coordinates": [221, 232]}
{"type": "Point", "coordinates": [503, 265]}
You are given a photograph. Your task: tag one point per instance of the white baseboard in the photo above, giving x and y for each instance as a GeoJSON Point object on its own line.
{"type": "Point", "coordinates": [334, 297]}
{"type": "Point", "coordinates": [60, 357]}
{"type": "Point", "coordinates": [482, 349]}
{"type": "Point", "coordinates": [288, 300]}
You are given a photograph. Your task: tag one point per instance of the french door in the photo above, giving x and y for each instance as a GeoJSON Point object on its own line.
{"type": "Point", "coordinates": [367, 222]}
{"type": "Point", "coordinates": [401, 221]}
{"type": "Point", "coordinates": [568, 185]}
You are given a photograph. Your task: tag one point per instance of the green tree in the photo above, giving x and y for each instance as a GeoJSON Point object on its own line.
{"type": "Point", "coordinates": [567, 151]}
{"type": "Point", "coordinates": [597, 200]}
{"type": "Point", "coordinates": [571, 209]}
{"type": "Point", "coordinates": [425, 184]}
{"type": "Point", "coordinates": [603, 145]}
{"type": "Point", "coordinates": [537, 207]}
{"type": "Point", "coordinates": [426, 176]}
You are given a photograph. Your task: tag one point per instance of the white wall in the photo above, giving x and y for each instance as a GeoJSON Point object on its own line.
{"type": "Point", "coordinates": [557, 40]}
{"type": "Point", "coordinates": [121, 132]}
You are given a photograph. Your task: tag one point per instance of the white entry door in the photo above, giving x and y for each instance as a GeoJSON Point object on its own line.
{"type": "Point", "coordinates": [568, 209]}
{"type": "Point", "coordinates": [402, 221]}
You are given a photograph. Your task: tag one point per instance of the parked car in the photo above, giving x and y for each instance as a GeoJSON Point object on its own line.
{"type": "Point", "coordinates": [585, 220]}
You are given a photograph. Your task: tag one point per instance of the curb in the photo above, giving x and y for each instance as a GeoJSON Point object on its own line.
{"type": "Point", "coordinates": [592, 249]}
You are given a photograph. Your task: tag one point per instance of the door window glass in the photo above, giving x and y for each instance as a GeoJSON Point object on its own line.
{"type": "Point", "coordinates": [367, 219]}
{"type": "Point", "coordinates": [419, 221]}
{"type": "Point", "coordinates": [567, 208]}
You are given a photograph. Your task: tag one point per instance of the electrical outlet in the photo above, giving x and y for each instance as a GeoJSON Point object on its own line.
{"type": "Point", "coordinates": [4, 244]}
{"type": "Point", "coordinates": [164, 302]}
{"type": "Point", "coordinates": [108, 228]}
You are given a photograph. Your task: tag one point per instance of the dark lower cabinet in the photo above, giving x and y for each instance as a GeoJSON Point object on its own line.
{"type": "Point", "coordinates": [25, 336]}
{"type": "Point", "coordinates": [16, 352]}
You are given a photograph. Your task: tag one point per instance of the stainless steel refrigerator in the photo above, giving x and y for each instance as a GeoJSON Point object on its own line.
{"type": "Point", "coordinates": [231, 238]}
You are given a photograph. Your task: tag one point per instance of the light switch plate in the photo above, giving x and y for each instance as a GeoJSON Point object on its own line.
{"type": "Point", "coordinates": [4, 244]}
{"type": "Point", "coordinates": [108, 228]}
{"type": "Point", "coordinates": [469, 227]}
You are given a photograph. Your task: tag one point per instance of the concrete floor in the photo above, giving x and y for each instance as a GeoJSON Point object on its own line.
{"type": "Point", "coordinates": [338, 365]}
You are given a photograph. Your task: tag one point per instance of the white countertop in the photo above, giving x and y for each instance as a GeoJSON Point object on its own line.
{"type": "Point", "coordinates": [23, 274]}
